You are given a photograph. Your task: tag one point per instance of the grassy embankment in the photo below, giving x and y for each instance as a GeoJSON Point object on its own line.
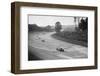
{"type": "Point", "coordinates": [74, 37]}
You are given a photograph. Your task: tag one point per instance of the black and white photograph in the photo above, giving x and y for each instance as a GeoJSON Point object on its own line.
{"type": "Point", "coordinates": [52, 37]}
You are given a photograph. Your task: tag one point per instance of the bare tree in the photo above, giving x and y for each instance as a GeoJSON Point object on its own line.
{"type": "Point", "coordinates": [75, 21]}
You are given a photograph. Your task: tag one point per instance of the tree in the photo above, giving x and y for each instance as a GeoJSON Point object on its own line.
{"type": "Point", "coordinates": [83, 25]}
{"type": "Point", "coordinates": [75, 21]}
{"type": "Point", "coordinates": [34, 27]}
{"type": "Point", "coordinates": [86, 23]}
{"type": "Point", "coordinates": [48, 27]}
{"type": "Point", "coordinates": [58, 26]}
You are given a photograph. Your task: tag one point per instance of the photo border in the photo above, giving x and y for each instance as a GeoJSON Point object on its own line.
{"type": "Point", "coordinates": [15, 37]}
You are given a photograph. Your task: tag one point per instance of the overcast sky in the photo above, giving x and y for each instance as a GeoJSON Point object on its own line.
{"type": "Point", "coordinates": [41, 20]}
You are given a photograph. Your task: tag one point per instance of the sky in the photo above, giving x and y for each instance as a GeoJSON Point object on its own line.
{"type": "Point", "coordinates": [43, 20]}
